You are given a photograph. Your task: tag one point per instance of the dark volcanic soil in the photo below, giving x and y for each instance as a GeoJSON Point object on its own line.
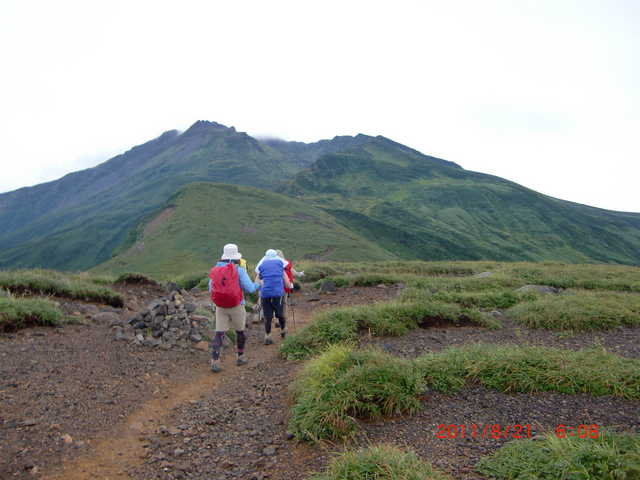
{"type": "Point", "coordinates": [622, 341]}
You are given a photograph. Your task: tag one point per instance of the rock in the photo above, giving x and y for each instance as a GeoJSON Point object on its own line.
{"type": "Point", "coordinates": [204, 346]}
{"type": "Point", "coordinates": [195, 291]}
{"type": "Point", "coordinates": [290, 436]}
{"type": "Point", "coordinates": [542, 289]}
{"type": "Point", "coordinates": [67, 439]}
{"type": "Point", "coordinates": [190, 307]}
{"type": "Point", "coordinates": [328, 287]}
{"type": "Point", "coordinates": [195, 337]}
{"type": "Point", "coordinates": [109, 318]}
{"type": "Point", "coordinates": [28, 422]}
{"type": "Point", "coordinates": [172, 287]}
{"type": "Point", "coordinates": [119, 333]}
{"type": "Point", "coordinates": [269, 451]}
{"type": "Point", "coordinates": [497, 314]}
{"type": "Point", "coordinates": [89, 309]}
{"type": "Point", "coordinates": [178, 452]}
{"type": "Point", "coordinates": [4, 293]}
{"type": "Point", "coordinates": [381, 285]}
{"type": "Point", "coordinates": [315, 298]}
{"type": "Point", "coordinates": [483, 275]}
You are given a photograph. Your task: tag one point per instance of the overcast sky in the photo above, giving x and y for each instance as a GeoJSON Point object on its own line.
{"type": "Point", "coordinates": [544, 93]}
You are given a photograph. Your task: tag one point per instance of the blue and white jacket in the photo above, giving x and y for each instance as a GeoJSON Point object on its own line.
{"type": "Point", "coordinates": [271, 272]}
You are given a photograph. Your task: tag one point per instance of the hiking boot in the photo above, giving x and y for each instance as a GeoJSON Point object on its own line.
{"type": "Point", "coordinates": [284, 332]}
{"type": "Point", "coordinates": [215, 366]}
{"type": "Point", "coordinates": [267, 340]}
{"type": "Point", "coordinates": [241, 360]}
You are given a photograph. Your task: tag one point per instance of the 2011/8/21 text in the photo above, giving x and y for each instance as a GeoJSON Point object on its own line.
{"type": "Point", "coordinates": [494, 431]}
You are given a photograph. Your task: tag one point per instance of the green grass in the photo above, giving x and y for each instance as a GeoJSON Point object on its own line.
{"type": "Point", "coordinates": [381, 319]}
{"type": "Point", "coordinates": [379, 462]}
{"type": "Point", "coordinates": [342, 383]}
{"type": "Point", "coordinates": [492, 299]}
{"type": "Point", "coordinates": [581, 310]}
{"type": "Point", "coordinates": [195, 228]}
{"type": "Point", "coordinates": [51, 282]}
{"type": "Point", "coordinates": [611, 456]}
{"type": "Point", "coordinates": [191, 280]}
{"type": "Point", "coordinates": [135, 278]}
{"type": "Point", "coordinates": [513, 368]}
{"type": "Point", "coordinates": [315, 271]}
{"type": "Point", "coordinates": [17, 313]}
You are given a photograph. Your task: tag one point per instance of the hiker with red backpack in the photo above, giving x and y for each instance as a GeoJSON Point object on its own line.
{"type": "Point", "coordinates": [271, 271]}
{"type": "Point", "coordinates": [227, 280]}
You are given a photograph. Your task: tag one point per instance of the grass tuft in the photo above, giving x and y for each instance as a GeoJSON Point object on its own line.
{"type": "Point", "coordinates": [50, 282]}
{"type": "Point", "coordinates": [343, 384]}
{"type": "Point", "coordinates": [380, 462]}
{"type": "Point", "coordinates": [579, 311]}
{"type": "Point", "coordinates": [132, 278]}
{"type": "Point", "coordinates": [513, 368]}
{"type": "Point", "coordinates": [17, 313]}
{"type": "Point", "coordinates": [381, 319]}
{"type": "Point", "coordinates": [611, 456]}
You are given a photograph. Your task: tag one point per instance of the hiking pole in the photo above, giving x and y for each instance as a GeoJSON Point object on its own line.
{"type": "Point", "coordinates": [293, 311]}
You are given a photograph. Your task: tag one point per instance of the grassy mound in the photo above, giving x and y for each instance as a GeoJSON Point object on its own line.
{"type": "Point", "coordinates": [315, 271]}
{"type": "Point", "coordinates": [392, 318]}
{"type": "Point", "coordinates": [490, 299]}
{"type": "Point", "coordinates": [17, 313]}
{"type": "Point", "coordinates": [513, 368]}
{"type": "Point", "coordinates": [190, 280]}
{"type": "Point", "coordinates": [342, 384]}
{"type": "Point", "coordinates": [133, 278]}
{"type": "Point", "coordinates": [580, 311]}
{"type": "Point", "coordinates": [608, 457]}
{"type": "Point", "coordinates": [50, 282]}
{"type": "Point", "coordinates": [380, 462]}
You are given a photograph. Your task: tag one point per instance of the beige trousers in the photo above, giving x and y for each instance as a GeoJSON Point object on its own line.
{"type": "Point", "coordinates": [227, 318]}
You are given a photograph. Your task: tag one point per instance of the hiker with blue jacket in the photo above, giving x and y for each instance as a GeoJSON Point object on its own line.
{"type": "Point", "coordinates": [271, 272]}
{"type": "Point", "coordinates": [227, 280]}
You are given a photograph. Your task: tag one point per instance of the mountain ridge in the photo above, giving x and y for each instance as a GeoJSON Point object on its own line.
{"type": "Point", "coordinates": [86, 217]}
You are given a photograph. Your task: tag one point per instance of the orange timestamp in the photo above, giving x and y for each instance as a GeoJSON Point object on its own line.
{"type": "Point", "coordinates": [578, 431]}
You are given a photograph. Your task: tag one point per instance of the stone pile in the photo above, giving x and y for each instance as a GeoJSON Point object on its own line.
{"type": "Point", "coordinates": [168, 322]}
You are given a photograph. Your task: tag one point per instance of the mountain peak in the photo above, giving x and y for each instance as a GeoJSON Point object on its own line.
{"type": "Point", "coordinates": [201, 126]}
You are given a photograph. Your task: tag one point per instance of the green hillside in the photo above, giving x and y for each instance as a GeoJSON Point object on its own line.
{"type": "Point", "coordinates": [79, 221]}
{"type": "Point", "coordinates": [425, 208]}
{"type": "Point", "coordinates": [188, 235]}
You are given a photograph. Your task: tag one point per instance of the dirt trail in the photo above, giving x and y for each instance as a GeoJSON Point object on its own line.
{"type": "Point", "coordinates": [116, 452]}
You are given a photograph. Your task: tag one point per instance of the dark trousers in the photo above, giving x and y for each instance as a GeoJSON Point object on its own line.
{"type": "Point", "coordinates": [270, 307]}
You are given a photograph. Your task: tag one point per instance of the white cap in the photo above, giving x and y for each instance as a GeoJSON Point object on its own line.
{"type": "Point", "coordinates": [230, 252]}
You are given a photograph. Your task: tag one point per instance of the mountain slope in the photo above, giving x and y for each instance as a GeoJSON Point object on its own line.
{"type": "Point", "coordinates": [188, 234]}
{"type": "Point", "coordinates": [79, 221]}
{"type": "Point", "coordinates": [421, 207]}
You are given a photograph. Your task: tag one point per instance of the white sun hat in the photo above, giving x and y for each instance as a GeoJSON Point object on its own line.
{"type": "Point", "coordinates": [230, 252]}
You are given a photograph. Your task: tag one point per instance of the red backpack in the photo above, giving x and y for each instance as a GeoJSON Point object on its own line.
{"type": "Point", "coordinates": [225, 288]}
